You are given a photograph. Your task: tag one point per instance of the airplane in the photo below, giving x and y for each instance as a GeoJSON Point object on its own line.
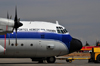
{"type": "Point", "coordinates": [38, 40]}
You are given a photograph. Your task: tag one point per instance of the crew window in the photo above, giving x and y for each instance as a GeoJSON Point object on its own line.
{"type": "Point", "coordinates": [65, 30]}
{"type": "Point", "coordinates": [61, 30]}
{"type": "Point", "coordinates": [58, 31]}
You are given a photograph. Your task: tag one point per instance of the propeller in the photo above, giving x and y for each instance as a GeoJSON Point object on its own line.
{"type": "Point", "coordinates": [17, 23]}
{"type": "Point", "coordinates": [8, 16]}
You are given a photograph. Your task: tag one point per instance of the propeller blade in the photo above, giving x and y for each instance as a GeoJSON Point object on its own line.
{"type": "Point", "coordinates": [7, 15]}
{"type": "Point", "coordinates": [15, 14]}
{"type": "Point", "coordinates": [17, 24]}
{"type": "Point", "coordinates": [17, 21]}
{"type": "Point", "coordinates": [16, 39]}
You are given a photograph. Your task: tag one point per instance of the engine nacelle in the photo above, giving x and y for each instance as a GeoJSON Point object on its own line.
{"type": "Point", "coordinates": [6, 26]}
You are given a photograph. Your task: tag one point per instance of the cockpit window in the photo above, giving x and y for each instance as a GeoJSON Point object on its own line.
{"type": "Point", "coordinates": [65, 31]}
{"type": "Point", "coordinates": [58, 31]}
{"type": "Point", "coordinates": [61, 30]}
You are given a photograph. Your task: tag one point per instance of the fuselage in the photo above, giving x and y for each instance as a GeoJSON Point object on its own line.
{"type": "Point", "coordinates": [36, 39]}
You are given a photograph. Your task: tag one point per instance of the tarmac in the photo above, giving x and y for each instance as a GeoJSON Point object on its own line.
{"type": "Point", "coordinates": [28, 62]}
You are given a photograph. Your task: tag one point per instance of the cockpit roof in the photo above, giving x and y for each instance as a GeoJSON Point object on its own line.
{"type": "Point", "coordinates": [42, 26]}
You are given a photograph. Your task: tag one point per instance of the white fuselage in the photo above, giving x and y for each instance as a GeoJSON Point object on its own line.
{"type": "Point", "coordinates": [34, 39]}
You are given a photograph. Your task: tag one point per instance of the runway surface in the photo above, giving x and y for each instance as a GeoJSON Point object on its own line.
{"type": "Point", "coordinates": [28, 62]}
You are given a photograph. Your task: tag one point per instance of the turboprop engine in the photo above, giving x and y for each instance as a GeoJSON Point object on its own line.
{"type": "Point", "coordinates": [6, 26]}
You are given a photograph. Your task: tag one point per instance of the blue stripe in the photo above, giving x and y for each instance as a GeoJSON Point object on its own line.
{"type": "Point", "coordinates": [66, 39]}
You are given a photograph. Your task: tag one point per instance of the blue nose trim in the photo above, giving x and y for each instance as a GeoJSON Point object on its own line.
{"type": "Point", "coordinates": [66, 39]}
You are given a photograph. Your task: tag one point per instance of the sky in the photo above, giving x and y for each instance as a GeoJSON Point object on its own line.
{"type": "Point", "coordinates": [80, 17]}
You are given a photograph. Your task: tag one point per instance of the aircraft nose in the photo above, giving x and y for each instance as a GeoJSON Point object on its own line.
{"type": "Point", "coordinates": [75, 45]}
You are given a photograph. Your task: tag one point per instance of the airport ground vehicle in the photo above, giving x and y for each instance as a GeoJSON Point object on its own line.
{"type": "Point", "coordinates": [95, 55]}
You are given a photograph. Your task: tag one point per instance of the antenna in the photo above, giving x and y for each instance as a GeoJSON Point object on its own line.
{"type": "Point", "coordinates": [57, 22]}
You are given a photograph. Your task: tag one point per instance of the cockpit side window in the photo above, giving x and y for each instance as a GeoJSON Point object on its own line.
{"type": "Point", "coordinates": [61, 30]}
{"type": "Point", "coordinates": [58, 31]}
